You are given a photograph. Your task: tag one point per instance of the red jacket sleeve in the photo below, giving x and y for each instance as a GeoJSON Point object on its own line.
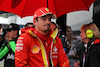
{"type": "Point", "coordinates": [63, 59]}
{"type": "Point", "coordinates": [21, 52]}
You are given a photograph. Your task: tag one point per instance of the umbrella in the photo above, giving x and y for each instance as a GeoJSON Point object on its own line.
{"type": "Point", "coordinates": [24, 8]}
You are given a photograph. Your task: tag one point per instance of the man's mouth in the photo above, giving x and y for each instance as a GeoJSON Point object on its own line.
{"type": "Point", "coordinates": [47, 25]}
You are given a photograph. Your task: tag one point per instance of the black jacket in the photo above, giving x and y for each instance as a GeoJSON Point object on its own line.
{"type": "Point", "coordinates": [92, 55]}
{"type": "Point", "coordinates": [9, 57]}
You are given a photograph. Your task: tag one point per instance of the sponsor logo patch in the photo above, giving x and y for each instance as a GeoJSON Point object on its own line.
{"type": "Point", "coordinates": [54, 56]}
{"type": "Point", "coordinates": [54, 49]}
{"type": "Point", "coordinates": [35, 49]}
{"type": "Point", "coordinates": [19, 44]}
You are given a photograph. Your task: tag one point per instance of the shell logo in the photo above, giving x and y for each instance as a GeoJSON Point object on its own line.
{"type": "Point", "coordinates": [35, 49]}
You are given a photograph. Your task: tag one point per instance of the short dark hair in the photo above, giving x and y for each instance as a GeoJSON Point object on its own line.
{"type": "Point", "coordinates": [29, 23]}
{"type": "Point", "coordinates": [67, 27]}
{"type": "Point", "coordinates": [0, 26]}
{"type": "Point", "coordinates": [13, 26]}
{"type": "Point", "coordinates": [36, 19]}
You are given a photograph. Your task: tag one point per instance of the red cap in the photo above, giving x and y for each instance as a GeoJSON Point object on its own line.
{"type": "Point", "coordinates": [42, 12]}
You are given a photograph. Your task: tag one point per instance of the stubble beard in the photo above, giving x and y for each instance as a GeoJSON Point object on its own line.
{"type": "Point", "coordinates": [48, 28]}
{"type": "Point", "coordinates": [46, 31]}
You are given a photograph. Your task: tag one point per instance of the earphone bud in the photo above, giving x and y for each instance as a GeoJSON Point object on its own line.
{"type": "Point", "coordinates": [89, 33]}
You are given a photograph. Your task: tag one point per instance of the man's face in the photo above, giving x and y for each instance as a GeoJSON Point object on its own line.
{"type": "Point", "coordinates": [12, 34]}
{"type": "Point", "coordinates": [83, 36]}
{"type": "Point", "coordinates": [69, 34]}
{"type": "Point", "coordinates": [43, 24]}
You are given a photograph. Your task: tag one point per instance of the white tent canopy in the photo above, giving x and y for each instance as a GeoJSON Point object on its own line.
{"type": "Point", "coordinates": [4, 20]}
{"type": "Point", "coordinates": [78, 18]}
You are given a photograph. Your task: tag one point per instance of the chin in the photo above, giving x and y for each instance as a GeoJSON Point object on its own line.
{"type": "Point", "coordinates": [46, 30]}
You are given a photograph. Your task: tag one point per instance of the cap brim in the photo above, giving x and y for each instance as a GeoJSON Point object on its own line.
{"type": "Point", "coordinates": [50, 13]}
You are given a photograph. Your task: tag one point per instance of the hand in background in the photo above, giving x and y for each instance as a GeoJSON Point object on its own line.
{"type": "Point", "coordinates": [76, 64]}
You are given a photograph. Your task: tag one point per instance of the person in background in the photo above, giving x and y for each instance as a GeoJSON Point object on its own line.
{"type": "Point", "coordinates": [1, 29]}
{"type": "Point", "coordinates": [27, 27]}
{"type": "Point", "coordinates": [55, 26]}
{"type": "Point", "coordinates": [70, 46]}
{"type": "Point", "coordinates": [90, 54]}
{"type": "Point", "coordinates": [29, 24]}
{"type": "Point", "coordinates": [0, 35]}
{"type": "Point", "coordinates": [40, 46]}
{"type": "Point", "coordinates": [7, 49]}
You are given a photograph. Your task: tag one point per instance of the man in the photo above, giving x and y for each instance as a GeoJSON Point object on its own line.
{"type": "Point", "coordinates": [7, 49]}
{"type": "Point", "coordinates": [53, 26]}
{"type": "Point", "coordinates": [40, 46]}
{"type": "Point", "coordinates": [70, 45]}
{"type": "Point", "coordinates": [27, 27]}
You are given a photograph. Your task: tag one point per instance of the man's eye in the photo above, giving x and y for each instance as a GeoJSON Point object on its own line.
{"type": "Point", "coordinates": [49, 19]}
{"type": "Point", "coordinates": [43, 19]}
{"type": "Point", "coordinates": [68, 31]}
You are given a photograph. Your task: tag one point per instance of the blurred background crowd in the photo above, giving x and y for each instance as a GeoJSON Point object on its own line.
{"type": "Point", "coordinates": [71, 41]}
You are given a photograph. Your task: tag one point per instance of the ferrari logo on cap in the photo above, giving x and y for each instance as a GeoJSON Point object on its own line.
{"type": "Point", "coordinates": [35, 49]}
{"type": "Point", "coordinates": [47, 9]}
